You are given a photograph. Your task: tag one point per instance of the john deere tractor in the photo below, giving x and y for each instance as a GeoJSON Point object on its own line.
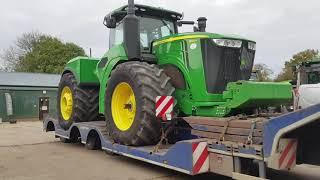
{"type": "Point", "coordinates": [206, 73]}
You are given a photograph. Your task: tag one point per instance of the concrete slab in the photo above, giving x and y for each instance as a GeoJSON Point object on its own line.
{"type": "Point", "coordinates": [23, 133]}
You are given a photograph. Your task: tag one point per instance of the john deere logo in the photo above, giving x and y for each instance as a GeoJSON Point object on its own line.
{"type": "Point", "coordinates": [193, 46]}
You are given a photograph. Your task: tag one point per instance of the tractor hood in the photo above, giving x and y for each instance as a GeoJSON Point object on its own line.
{"type": "Point", "coordinates": [197, 35]}
{"type": "Point", "coordinates": [209, 63]}
{"type": "Point", "coordinates": [225, 58]}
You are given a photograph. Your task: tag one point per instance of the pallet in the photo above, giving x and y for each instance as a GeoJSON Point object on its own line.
{"type": "Point", "coordinates": [235, 130]}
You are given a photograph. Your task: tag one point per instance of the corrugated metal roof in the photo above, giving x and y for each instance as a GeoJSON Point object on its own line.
{"type": "Point", "coordinates": [29, 79]}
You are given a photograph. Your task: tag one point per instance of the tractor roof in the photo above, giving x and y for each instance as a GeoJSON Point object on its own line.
{"type": "Point", "coordinates": [148, 11]}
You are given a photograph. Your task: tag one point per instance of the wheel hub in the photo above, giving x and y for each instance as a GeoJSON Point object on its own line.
{"type": "Point", "coordinates": [123, 106]}
{"type": "Point", "coordinates": [66, 103]}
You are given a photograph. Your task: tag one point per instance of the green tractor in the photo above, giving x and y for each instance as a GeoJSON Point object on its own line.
{"type": "Point", "coordinates": [206, 73]}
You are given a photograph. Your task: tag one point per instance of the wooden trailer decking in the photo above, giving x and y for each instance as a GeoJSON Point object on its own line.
{"type": "Point", "coordinates": [235, 129]}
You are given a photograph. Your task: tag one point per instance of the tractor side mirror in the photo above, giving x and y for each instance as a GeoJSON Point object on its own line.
{"type": "Point", "coordinates": [180, 23]}
{"type": "Point", "coordinates": [110, 22]}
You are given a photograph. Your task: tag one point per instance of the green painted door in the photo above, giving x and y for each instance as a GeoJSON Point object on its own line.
{"type": "Point", "coordinates": [25, 104]}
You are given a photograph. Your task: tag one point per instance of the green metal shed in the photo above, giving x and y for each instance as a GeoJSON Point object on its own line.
{"type": "Point", "coordinates": [27, 95]}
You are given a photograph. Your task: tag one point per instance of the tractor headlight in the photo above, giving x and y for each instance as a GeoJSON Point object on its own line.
{"type": "Point", "coordinates": [252, 46]}
{"type": "Point", "coordinates": [228, 43]}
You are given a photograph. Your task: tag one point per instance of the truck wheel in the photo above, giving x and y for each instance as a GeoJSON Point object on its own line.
{"type": "Point", "coordinates": [76, 104]}
{"type": "Point", "coordinates": [130, 103]}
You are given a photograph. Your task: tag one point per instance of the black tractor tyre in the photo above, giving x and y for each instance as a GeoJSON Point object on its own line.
{"type": "Point", "coordinates": [85, 105]}
{"type": "Point", "coordinates": [147, 82]}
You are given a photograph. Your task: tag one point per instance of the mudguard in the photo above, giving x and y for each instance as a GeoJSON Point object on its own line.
{"type": "Point", "coordinates": [83, 68]}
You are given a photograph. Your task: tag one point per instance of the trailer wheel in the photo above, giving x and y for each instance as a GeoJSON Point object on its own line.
{"type": "Point", "coordinates": [93, 141]}
{"type": "Point", "coordinates": [65, 140]}
{"type": "Point", "coordinates": [75, 103]}
{"type": "Point", "coordinates": [130, 103]}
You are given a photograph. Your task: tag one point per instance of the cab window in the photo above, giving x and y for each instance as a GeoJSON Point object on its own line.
{"type": "Point", "coordinates": [152, 28]}
{"type": "Point", "coordinates": [116, 35]}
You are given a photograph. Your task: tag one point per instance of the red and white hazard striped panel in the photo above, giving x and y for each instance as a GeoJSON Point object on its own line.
{"type": "Point", "coordinates": [164, 107]}
{"type": "Point", "coordinates": [288, 153]}
{"type": "Point", "coordinates": [200, 157]}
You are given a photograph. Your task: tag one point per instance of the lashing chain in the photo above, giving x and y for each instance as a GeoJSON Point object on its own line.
{"type": "Point", "coordinates": [225, 128]}
{"type": "Point", "coordinates": [252, 128]}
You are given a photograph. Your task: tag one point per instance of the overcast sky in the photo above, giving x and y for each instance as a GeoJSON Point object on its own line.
{"type": "Point", "coordinates": [280, 27]}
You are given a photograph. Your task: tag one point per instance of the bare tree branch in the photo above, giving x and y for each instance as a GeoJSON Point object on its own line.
{"type": "Point", "coordinates": [264, 72]}
{"type": "Point", "coordinates": [14, 54]}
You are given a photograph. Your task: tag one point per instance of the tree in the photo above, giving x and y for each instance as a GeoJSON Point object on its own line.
{"type": "Point", "coordinates": [35, 52]}
{"type": "Point", "coordinates": [303, 56]}
{"type": "Point", "coordinates": [50, 56]}
{"type": "Point", "coordinates": [263, 71]}
{"type": "Point", "coordinates": [23, 45]}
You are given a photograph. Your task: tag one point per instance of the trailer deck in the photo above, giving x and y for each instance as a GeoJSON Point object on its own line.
{"type": "Point", "coordinates": [194, 155]}
{"type": "Point", "coordinates": [165, 156]}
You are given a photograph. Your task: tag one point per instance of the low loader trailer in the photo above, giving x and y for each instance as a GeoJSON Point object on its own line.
{"type": "Point", "coordinates": [235, 147]}
{"type": "Point", "coordinates": [181, 100]}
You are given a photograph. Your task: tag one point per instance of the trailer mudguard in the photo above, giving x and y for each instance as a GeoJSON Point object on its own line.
{"type": "Point", "coordinates": [277, 127]}
{"type": "Point", "coordinates": [83, 68]}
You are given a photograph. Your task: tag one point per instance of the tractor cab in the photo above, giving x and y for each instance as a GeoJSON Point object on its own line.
{"type": "Point", "coordinates": [153, 23]}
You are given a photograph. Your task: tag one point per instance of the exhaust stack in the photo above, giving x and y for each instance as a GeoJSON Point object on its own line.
{"type": "Point", "coordinates": [202, 24]}
{"type": "Point", "coordinates": [131, 32]}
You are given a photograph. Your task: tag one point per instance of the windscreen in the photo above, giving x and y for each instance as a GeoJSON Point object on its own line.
{"type": "Point", "coordinates": [152, 28]}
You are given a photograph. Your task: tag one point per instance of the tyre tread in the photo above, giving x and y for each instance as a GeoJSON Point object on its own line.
{"type": "Point", "coordinates": [85, 100]}
{"type": "Point", "coordinates": [154, 82]}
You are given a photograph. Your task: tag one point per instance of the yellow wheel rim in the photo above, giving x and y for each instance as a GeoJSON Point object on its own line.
{"type": "Point", "coordinates": [66, 103]}
{"type": "Point", "coordinates": [123, 106]}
